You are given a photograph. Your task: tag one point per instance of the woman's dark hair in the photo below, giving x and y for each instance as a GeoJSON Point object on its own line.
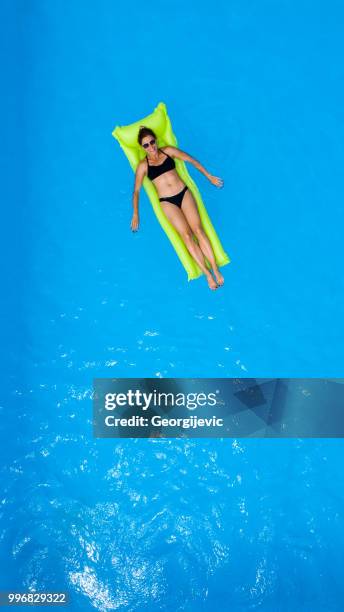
{"type": "Point", "coordinates": [143, 132]}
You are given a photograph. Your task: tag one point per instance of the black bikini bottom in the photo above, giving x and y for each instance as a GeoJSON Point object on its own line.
{"type": "Point", "coordinates": [175, 199]}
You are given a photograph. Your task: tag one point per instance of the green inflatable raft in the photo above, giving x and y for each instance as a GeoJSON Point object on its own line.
{"type": "Point", "coordinates": [160, 123]}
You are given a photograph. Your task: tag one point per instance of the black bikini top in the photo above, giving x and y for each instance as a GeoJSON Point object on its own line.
{"type": "Point", "coordinates": [167, 164]}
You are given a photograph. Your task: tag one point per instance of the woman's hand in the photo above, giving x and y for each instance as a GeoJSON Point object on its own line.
{"type": "Point", "coordinates": [215, 180]}
{"type": "Point", "coordinates": [135, 222]}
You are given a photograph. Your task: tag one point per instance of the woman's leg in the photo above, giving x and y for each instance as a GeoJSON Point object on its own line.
{"type": "Point", "coordinates": [190, 210]}
{"type": "Point", "coordinates": [176, 217]}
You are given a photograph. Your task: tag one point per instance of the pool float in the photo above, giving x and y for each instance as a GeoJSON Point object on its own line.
{"type": "Point", "coordinates": [160, 123]}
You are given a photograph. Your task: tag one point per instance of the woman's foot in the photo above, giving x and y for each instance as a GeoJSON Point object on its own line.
{"type": "Point", "coordinates": [212, 284]}
{"type": "Point", "coordinates": [219, 278]}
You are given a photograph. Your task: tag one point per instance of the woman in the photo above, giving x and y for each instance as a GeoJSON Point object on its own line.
{"type": "Point", "coordinates": [176, 199]}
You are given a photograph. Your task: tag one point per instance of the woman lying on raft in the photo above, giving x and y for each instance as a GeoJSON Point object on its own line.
{"type": "Point", "coordinates": [180, 208]}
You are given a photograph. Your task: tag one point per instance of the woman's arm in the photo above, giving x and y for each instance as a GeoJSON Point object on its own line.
{"type": "Point", "coordinates": [174, 152]}
{"type": "Point", "coordinates": [139, 176]}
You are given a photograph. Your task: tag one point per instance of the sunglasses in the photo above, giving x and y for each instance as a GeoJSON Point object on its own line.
{"type": "Point", "coordinates": [146, 145]}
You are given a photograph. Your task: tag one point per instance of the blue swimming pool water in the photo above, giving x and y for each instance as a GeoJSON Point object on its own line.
{"type": "Point", "coordinates": [254, 91]}
{"type": "Point", "coordinates": [174, 525]}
